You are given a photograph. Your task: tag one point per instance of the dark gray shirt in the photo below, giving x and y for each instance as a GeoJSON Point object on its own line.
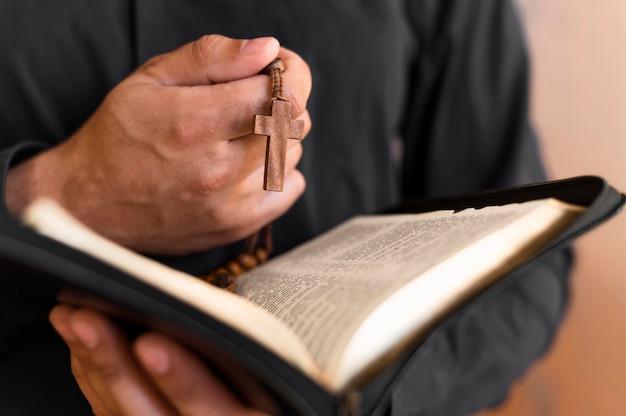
{"type": "Point", "coordinates": [411, 99]}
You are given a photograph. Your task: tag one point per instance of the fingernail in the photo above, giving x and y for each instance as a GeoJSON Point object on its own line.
{"type": "Point", "coordinates": [255, 46]}
{"type": "Point", "coordinates": [156, 358]}
{"type": "Point", "coordinates": [86, 333]}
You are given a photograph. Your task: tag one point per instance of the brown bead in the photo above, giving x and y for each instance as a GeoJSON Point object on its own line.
{"type": "Point", "coordinates": [247, 261]}
{"type": "Point", "coordinates": [222, 277]}
{"type": "Point", "coordinates": [261, 254]}
{"type": "Point", "coordinates": [234, 268]}
{"type": "Point", "coordinates": [209, 278]}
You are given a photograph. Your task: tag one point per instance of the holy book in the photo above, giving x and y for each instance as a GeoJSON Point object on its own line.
{"type": "Point", "coordinates": [334, 312]}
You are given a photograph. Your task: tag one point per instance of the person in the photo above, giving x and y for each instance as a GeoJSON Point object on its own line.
{"type": "Point", "coordinates": [140, 125]}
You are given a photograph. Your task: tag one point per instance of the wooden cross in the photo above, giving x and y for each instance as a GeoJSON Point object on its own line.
{"type": "Point", "coordinates": [278, 127]}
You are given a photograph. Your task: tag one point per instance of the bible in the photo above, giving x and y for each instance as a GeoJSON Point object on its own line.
{"type": "Point", "coordinates": [320, 323]}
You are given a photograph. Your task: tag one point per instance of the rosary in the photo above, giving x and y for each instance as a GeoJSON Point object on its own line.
{"type": "Point", "coordinates": [278, 127]}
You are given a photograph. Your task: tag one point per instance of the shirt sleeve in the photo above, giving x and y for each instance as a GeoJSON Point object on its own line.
{"type": "Point", "coordinates": [20, 317]}
{"type": "Point", "coordinates": [467, 129]}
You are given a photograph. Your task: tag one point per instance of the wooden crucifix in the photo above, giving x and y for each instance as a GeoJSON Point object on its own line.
{"type": "Point", "coordinates": [278, 127]}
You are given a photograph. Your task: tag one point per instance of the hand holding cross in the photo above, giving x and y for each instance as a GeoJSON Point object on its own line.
{"type": "Point", "coordinates": [278, 127]}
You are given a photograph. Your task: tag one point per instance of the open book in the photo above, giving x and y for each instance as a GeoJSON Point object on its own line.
{"type": "Point", "coordinates": [342, 307]}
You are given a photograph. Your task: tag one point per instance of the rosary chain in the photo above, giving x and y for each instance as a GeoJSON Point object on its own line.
{"type": "Point", "coordinates": [226, 276]}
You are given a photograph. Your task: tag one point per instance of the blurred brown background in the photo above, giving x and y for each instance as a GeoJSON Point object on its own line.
{"type": "Point", "coordinates": [578, 48]}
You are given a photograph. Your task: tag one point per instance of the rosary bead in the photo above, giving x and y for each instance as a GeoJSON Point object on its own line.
{"type": "Point", "coordinates": [222, 278]}
{"type": "Point", "coordinates": [261, 254]}
{"type": "Point", "coordinates": [247, 261]}
{"type": "Point", "coordinates": [209, 278]}
{"type": "Point", "coordinates": [234, 268]}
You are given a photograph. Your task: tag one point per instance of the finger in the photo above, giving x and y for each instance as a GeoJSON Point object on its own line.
{"type": "Point", "coordinates": [275, 204]}
{"type": "Point", "coordinates": [241, 165]}
{"type": "Point", "coordinates": [100, 405]}
{"type": "Point", "coordinates": [264, 205]}
{"type": "Point", "coordinates": [250, 390]}
{"type": "Point", "coordinates": [259, 207]}
{"type": "Point", "coordinates": [221, 112]}
{"type": "Point", "coordinates": [90, 383]}
{"type": "Point", "coordinates": [212, 59]}
{"type": "Point", "coordinates": [255, 176]}
{"type": "Point", "coordinates": [247, 154]}
{"type": "Point", "coordinates": [297, 81]}
{"type": "Point", "coordinates": [270, 205]}
{"type": "Point", "coordinates": [206, 115]}
{"type": "Point", "coordinates": [104, 355]}
{"type": "Point", "coordinates": [184, 379]}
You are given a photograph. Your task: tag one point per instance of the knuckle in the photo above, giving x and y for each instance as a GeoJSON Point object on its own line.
{"type": "Point", "coordinates": [205, 48]}
{"type": "Point", "coordinates": [190, 129]}
{"type": "Point", "coordinates": [118, 97]}
{"type": "Point", "coordinates": [187, 131]}
{"type": "Point", "coordinates": [110, 371]}
{"type": "Point", "coordinates": [212, 178]}
{"type": "Point", "coordinates": [125, 99]}
{"type": "Point", "coordinates": [78, 370]}
{"type": "Point", "coordinates": [83, 366]}
{"type": "Point", "coordinates": [298, 96]}
{"type": "Point", "coordinates": [151, 64]}
{"type": "Point", "coordinates": [299, 88]}
{"type": "Point", "coordinates": [212, 124]}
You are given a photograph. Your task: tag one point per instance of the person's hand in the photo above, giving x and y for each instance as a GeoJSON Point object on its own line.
{"type": "Point", "coordinates": [168, 164]}
{"type": "Point", "coordinates": [152, 376]}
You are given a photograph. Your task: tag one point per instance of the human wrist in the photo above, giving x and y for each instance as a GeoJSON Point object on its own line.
{"type": "Point", "coordinates": [29, 178]}
{"type": "Point", "coordinates": [11, 157]}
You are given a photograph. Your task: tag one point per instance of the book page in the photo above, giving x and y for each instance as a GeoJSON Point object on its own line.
{"type": "Point", "coordinates": [326, 288]}
{"type": "Point", "coordinates": [50, 219]}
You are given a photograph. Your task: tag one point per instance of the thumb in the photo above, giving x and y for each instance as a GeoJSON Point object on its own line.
{"type": "Point", "coordinates": [212, 59]}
